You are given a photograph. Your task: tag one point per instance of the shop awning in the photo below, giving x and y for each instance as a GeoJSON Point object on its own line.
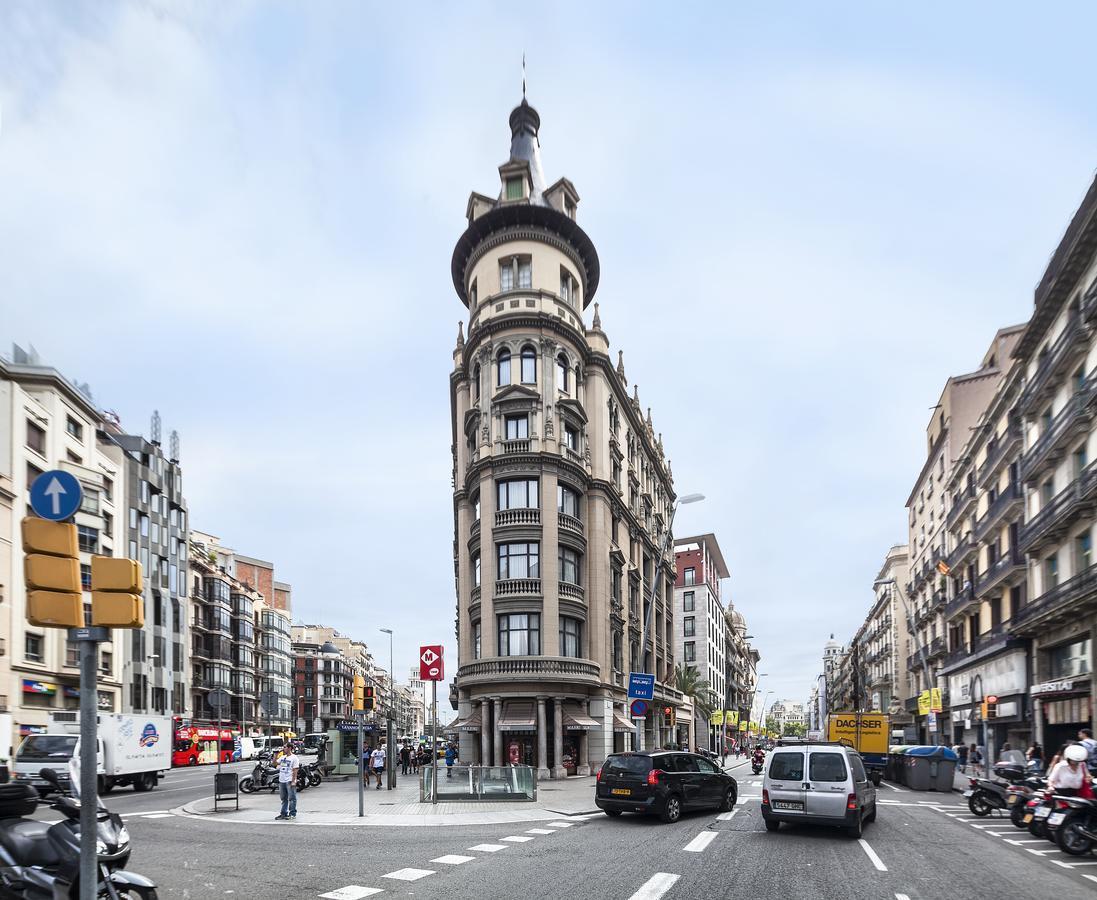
{"type": "Point", "coordinates": [453, 726]}
{"type": "Point", "coordinates": [621, 724]}
{"type": "Point", "coordinates": [518, 715]}
{"type": "Point", "coordinates": [471, 723]}
{"type": "Point", "coordinates": [577, 720]}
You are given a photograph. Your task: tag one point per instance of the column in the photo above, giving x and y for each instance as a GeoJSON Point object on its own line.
{"type": "Point", "coordinates": [485, 732]}
{"type": "Point", "coordinates": [543, 772]}
{"type": "Point", "coordinates": [498, 733]}
{"type": "Point", "coordinates": [558, 771]}
{"type": "Point", "coordinates": [584, 753]}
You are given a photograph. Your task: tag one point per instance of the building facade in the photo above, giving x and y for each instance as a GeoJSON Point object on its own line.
{"type": "Point", "coordinates": [562, 493]}
{"type": "Point", "coordinates": [886, 640]}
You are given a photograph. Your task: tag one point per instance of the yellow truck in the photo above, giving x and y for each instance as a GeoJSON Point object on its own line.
{"type": "Point", "coordinates": [867, 733]}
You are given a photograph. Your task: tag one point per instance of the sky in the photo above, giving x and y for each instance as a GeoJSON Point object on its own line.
{"type": "Point", "coordinates": [808, 217]}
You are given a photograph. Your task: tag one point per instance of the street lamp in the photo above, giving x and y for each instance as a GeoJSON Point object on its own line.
{"type": "Point", "coordinates": [392, 716]}
{"type": "Point", "coordinates": [687, 498]}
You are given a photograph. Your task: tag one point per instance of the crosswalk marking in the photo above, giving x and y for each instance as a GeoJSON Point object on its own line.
{"type": "Point", "coordinates": [488, 848]}
{"type": "Point", "coordinates": [453, 859]}
{"type": "Point", "coordinates": [351, 892]}
{"type": "Point", "coordinates": [517, 839]}
{"type": "Point", "coordinates": [409, 874]}
{"type": "Point", "coordinates": [560, 824]}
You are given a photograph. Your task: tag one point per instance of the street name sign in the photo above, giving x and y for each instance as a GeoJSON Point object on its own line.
{"type": "Point", "coordinates": [56, 495]}
{"type": "Point", "coordinates": [641, 686]}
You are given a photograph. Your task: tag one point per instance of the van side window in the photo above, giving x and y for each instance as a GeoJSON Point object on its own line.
{"type": "Point", "coordinates": [827, 767]}
{"type": "Point", "coordinates": [858, 769]}
{"type": "Point", "coordinates": [787, 767]}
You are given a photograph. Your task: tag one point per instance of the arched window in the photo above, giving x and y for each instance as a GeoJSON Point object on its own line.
{"type": "Point", "coordinates": [562, 373]}
{"type": "Point", "coordinates": [529, 365]}
{"type": "Point", "coordinates": [503, 360]}
{"type": "Point", "coordinates": [476, 382]}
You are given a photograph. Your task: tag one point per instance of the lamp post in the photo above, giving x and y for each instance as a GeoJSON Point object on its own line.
{"type": "Point", "coordinates": [753, 695]}
{"type": "Point", "coordinates": [918, 644]}
{"type": "Point", "coordinates": [392, 717]}
{"type": "Point", "coordinates": [688, 498]}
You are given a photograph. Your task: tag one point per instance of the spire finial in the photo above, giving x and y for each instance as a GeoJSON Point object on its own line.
{"type": "Point", "coordinates": [621, 365]}
{"type": "Point", "coordinates": [460, 333]}
{"type": "Point", "coordinates": [597, 318]}
{"type": "Point", "coordinates": [523, 76]}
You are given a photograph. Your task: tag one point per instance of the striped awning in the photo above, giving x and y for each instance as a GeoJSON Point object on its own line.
{"type": "Point", "coordinates": [454, 726]}
{"type": "Point", "coordinates": [575, 719]}
{"type": "Point", "coordinates": [471, 723]}
{"type": "Point", "coordinates": [518, 715]}
{"type": "Point", "coordinates": [621, 724]}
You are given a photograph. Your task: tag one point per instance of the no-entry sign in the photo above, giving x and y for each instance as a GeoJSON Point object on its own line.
{"type": "Point", "coordinates": [430, 663]}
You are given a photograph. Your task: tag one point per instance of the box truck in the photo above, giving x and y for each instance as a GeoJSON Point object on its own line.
{"type": "Point", "coordinates": [867, 733]}
{"type": "Point", "coordinates": [133, 750]}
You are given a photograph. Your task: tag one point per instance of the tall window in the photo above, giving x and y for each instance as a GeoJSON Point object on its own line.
{"type": "Point", "coordinates": [567, 501]}
{"type": "Point", "coordinates": [691, 575]}
{"type": "Point", "coordinates": [689, 651]}
{"type": "Point", "coordinates": [36, 438]}
{"type": "Point", "coordinates": [571, 632]}
{"type": "Point", "coordinates": [515, 188]}
{"type": "Point", "coordinates": [529, 365]}
{"type": "Point", "coordinates": [476, 382]}
{"type": "Point", "coordinates": [32, 647]}
{"type": "Point", "coordinates": [1051, 571]}
{"type": "Point", "coordinates": [503, 363]}
{"type": "Point", "coordinates": [571, 438]}
{"type": "Point", "coordinates": [476, 570]}
{"type": "Point", "coordinates": [517, 428]}
{"type": "Point", "coordinates": [1083, 551]}
{"type": "Point", "coordinates": [506, 275]}
{"type": "Point", "coordinates": [689, 626]}
{"type": "Point", "coordinates": [525, 272]}
{"type": "Point", "coordinates": [520, 634]}
{"type": "Point", "coordinates": [562, 373]}
{"type": "Point", "coordinates": [519, 560]}
{"type": "Point", "coordinates": [688, 601]}
{"type": "Point", "coordinates": [520, 494]}
{"type": "Point", "coordinates": [476, 640]}
{"type": "Point", "coordinates": [569, 565]}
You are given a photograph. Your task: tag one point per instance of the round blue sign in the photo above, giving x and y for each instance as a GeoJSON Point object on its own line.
{"type": "Point", "coordinates": [639, 708]}
{"type": "Point", "coordinates": [55, 495]}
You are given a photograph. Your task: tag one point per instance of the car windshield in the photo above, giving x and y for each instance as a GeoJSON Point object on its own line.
{"type": "Point", "coordinates": [627, 765]}
{"type": "Point", "coordinates": [47, 746]}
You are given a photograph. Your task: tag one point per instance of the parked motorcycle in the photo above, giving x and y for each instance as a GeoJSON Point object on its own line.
{"type": "Point", "coordinates": [1018, 795]}
{"type": "Point", "coordinates": [263, 777]}
{"type": "Point", "coordinates": [314, 773]}
{"type": "Point", "coordinates": [41, 861]}
{"type": "Point", "coordinates": [1076, 833]}
{"type": "Point", "coordinates": [984, 795]}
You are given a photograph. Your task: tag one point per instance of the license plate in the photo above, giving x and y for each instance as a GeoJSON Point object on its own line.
{"type": "Point", "coordinates": [625, 792]}
{"type": "Point", "coordinates": [1011, 799]}
{"type": "Point", "coordinates": [1028, 818]}
{"type": "Point", "coordinates": [787, 804]}
{"type": "Point", "coordinates": [968, 793]}
{"type": "Point", "coordinates": [1043, 812]}
{"type": "Point", "coordinates": [1056, 818]}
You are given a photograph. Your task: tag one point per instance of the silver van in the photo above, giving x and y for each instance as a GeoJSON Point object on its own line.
{"type": "Point", "coordinates": [817, 783]}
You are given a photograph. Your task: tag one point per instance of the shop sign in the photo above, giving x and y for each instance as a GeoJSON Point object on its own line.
{"type": "Point", "coordinates": [39, 687]}
{"type": "Point", "coordinates": [72, 692]}
{"type": "Point", "coordinates": [1003, 675]}
{"type": "Point", "coordinates": [1052, 687]}
{"type": "Point", "coordinates": [924, 703]}
{"type": "Point", "coordinates": [717, 717]}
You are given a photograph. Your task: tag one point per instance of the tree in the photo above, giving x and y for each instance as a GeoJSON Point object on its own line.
{"type": "Point", "coordinates": [689, 681]}
{"type": "Point", "coordinates": [795, 729]}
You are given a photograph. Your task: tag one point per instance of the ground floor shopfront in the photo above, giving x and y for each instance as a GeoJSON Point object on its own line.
{"type": "Point", "coordinates": [1004, 675]}
{"type": "Point", "coordinates": [1062, 689]}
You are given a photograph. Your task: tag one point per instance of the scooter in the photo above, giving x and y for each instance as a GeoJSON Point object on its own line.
{"type": "Point", "coordinates": [1018, 795]}
{"type": "Point", "coordinates": [984, 795]}
{"type": "Point", "coordinates": [313, 773]}
{"type": "Point", "coordinates": [40, 861]}
{"type": "Point", "coordinates": [1076, 833]}
{"type": "Point", "coordinates": [263, 777]}
{"type": "Point", "coordinates": [757, 765]}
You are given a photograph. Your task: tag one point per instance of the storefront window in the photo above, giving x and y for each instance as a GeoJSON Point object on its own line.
{"type": "Point", "coordinates": [1068, 660]}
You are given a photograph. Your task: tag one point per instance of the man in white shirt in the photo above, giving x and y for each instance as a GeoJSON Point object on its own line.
{"type": "Point", "coordinates": [377, 763]}
{"type": "Point", "coordinates": [287, 784]}
{"type": "Point", "coordinates": [1086, 737]}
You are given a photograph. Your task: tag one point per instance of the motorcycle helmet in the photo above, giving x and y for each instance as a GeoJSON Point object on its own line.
{"type": "Point", "coordinates": [1076, 753]}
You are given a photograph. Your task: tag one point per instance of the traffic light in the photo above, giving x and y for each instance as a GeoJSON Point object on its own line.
{"type": "Point", "coordinates": [51, 569]}
{"type": "Point", "coordinates": [359, 692]}
{"type": "Point", "coordinates": [991, 708]}
{"type": "Point", "coordinates": [668, 715]}
{"type": "Point", "coordinates": [369, 702]}
{"type": "Point", "coordinates": [116, 600]}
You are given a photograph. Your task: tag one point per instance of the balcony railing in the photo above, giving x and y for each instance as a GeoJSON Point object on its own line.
{"type": "Point", "coordinates": [1010, 562]}
{"type": "Point", "coordinates": [961, 503]}
{"type": "Point", "coordinates": [505, 517]}
{"type": "Point", "coordinates": [1060, 511]}
{"type": "Point", "coordinates": [1060, 600]}
{"type": "Point", "coordinates": [959, 602]}
{"type": "Point", "coordinates": [571, 591]}
{"type": "Point", "coordinates": [475, 528]}
{"type": "Point", "coordinates": [474, 596]}
{"type": "Point", "coordinates": [1048, 448]}
{"type": "Point", "coordinates": [570, 523]}
{"type": "Point", "coordinates": [998, 448]}
{"type": "Point", "coordinates": [1010, 498]}
{"type": "Point", "coordinates": [528, 666]}
{"type": "Point", "coordinates": [516, 446]}
{"type": "Point", "coordinates": [962, 551]}
{"type": "Point", "coordinates": [518, 587]}
{"type": "Point", "coordinates": [1050, 364]}
{"type": "Point", "coordinates": [936, 648]}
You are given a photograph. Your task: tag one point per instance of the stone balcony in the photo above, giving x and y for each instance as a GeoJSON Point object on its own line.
{"type": "Point", "coordinates": [570, 591]}
{"type": "Point", "coordinates": [528, 668]}
{"type": "Point", "coordinates": [518, 587]}
{"type": "Point", "coordinates": [570, 523]}
{"type": "Point", "coordinates": [524, 516]}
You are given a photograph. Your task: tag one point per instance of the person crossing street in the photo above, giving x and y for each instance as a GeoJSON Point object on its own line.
{"type": "Point", "coordinates": [377, 763]}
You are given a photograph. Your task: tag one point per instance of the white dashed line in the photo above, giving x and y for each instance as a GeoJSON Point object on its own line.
{"type": "Point", "coordinates": [452, 859]}
{"type": "Point", "coordinates": [516, 839]}
{"type": "Point", "coordinates": [488, 848]}
{"type": "Point", "coordinates": [701, 841]}
{"type": "Point", "coordinates": [1090, 877]}
{"type": "Point", "coordinates": [561, 824]}
{"type": "Point", "coordinates": [158, 816]}
{"type": "Point", "coordinates": [901, 897]}
{"type": "Point", "coordinates": [409, 874]}
{"type": "Point", "coordinates": [586, 816]}
{"type": "Point", "coordinates": [539, 831]}
{"type": "Point", "coordinates": [1026, 841]}
{"type": "Point", "coordinates": [728, 816]}
{"type": "Point", "coordinates": [351, 892]}
{"type": "Point", "coordinates": [876, 861]}
{"type": "Point", "coordinates": [660, 883]}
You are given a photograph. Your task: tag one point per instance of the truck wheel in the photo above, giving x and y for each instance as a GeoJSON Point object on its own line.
{"type": "Point", "coordinates": [876, 778]}
{"type": "Point", "coordinates": [106, 785]}
{"type": "Point", "coordinates": [144, 782]}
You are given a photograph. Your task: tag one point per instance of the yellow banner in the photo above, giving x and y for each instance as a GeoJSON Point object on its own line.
{"type": "Point", "coordinates": [717, 717]}
{"type": "Point", "coordinates": [935, 700]}
{"type": "Point", "coordinates": [923, 703]}
{"type": "Point", "coordinates": [731, 717]}
{"type": "Point", "coordinates": [753, 726]}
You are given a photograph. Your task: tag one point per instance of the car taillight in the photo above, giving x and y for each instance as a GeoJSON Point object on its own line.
{"type": "Point", "coordinates": [972, 782]}
{"type": "Point", "coordinates": [1062, 804]}
{"type": "Point", "coordinates": [599, 777]}
{"type": "Point", "coordinates": [653, 776]}
{"type": "Point", "coordinates": [765, 796]}
{"type": "Point", "coordinates": [851, 801]}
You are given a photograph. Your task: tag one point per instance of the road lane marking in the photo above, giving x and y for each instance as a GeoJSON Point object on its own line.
{"type": "Point", "coordinates": [728, 816]}
{"type": "Point", "coordinates": [876, 861]}
{"type": "Point", "coordinates": [351, 892]}
{"type": "Point", "coordinates": [656, 886]}
{"type": "Point", "coordinates": [701, 841]}
{"type": "Point", "coordinates": [560, 824]}
{"type": "Point", "coordinates": [453, 859]}
{"type": "Point", "coordinates": [1041, 852]}
{"type": "Point", "coordinates": [409, 874]}
{"type": "Point", "coordinates": [488, 848]}
{"type": "Point", "coordinates": [1025, 841]}
{"type": "Point", "coordinates": [539, 831]}
{"type": "Point", "coordinates": [1090, 877]}
{"type": "Point", "coordinates": [590, 815]}
{"type": "Point", "coordinates": [901, 897]}
{"type": "Point", "coordinates": [517, 839]}
{"type": "Point", "coordinates": [157, 816]}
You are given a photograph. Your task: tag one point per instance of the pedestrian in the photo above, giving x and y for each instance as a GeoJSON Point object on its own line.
{"type": "Point", "coordinates": [377, 762]}
{"type": "Point", "coordinates": [413, 755]}
{"type": "Point", "coordinates": [451, 758]}
{"type": "Point", "coordinates": [961, 751]}
{"type": "Point", "coordinates": [288, 764]}
{"type": "Point", "coordinates": [1035, 757]}
{"type": "Point", "coordinates": [976, 759]}
{"type": "Point", "coordinates": [1085, 736]}
{"type": "Point", "coordinates": [1070, 775]}
{"type": "Point", "coordinates": [405, 759]}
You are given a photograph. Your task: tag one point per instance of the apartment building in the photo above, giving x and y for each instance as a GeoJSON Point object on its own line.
{"type": "Point", "coordinates": [701, 627]}
{"type": "Point", "coordinates": [562, 491]}
{"type": "Point", "coordinates": [48, 422]}
{"type": "Point", "coordinates": [887, 639]}
{"type": "Point", "coordinates": [784, 713]}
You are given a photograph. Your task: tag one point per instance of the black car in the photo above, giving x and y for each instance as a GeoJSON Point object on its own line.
{"type": "Point", "coordinates": [662, 782]}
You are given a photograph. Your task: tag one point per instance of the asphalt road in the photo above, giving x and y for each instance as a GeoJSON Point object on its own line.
{"type": "Point", "coordinates": [914, 850]}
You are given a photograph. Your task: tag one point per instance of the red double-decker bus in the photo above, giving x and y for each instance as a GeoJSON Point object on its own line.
{"type": "Point", "coordinates": [198, 744]}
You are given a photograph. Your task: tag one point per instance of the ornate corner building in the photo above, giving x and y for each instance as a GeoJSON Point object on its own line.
{"type": "Point", "coordinates": [562, 494]}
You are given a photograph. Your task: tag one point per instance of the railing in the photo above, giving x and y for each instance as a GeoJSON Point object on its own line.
{"type": "Point", "coordinates": [997, 449]}
{"type": "Point", "coordinates": [482, 784]}
{"type": "Point", "coordinates": [474, 596]}
{"type": "Point", "coordinates": [517, 587]}
{"type": "Point", "coordinates": [1049, 364]}
{"type": "Point", "coordinates": [1010, 561]}
{"type": "Point", "coordinates": [936, 648]}
{"type": "Point", "coordinates": [960, 503]}
{"type": "Point", "coordinates": [475, 529]}
{"type": "Point", "coordinates": [1058, 597]}
{"type": "Point", "coordinates": [570, 523]}
{"type": "Point", "coordinates": [957, 603]}
{"type": "Point", "coordinates": [1006, 499]}
{"type": "Point", "coordinates": [516, 446]}
{"type": "Point", "coordinates": [1059, 509]}
{"type": "Point", "coordinates": [531, 516]}
{"type": "Point", "coordinates": [569, 590]}
{"type": "Point", "coordinates": [563, 667]}
{"type": "Point", "coordinates": [573, 455]}
{"type": "Point", "coordinates": [961, 551]}
{"type": "Point", "coordinates": [1058, 429]}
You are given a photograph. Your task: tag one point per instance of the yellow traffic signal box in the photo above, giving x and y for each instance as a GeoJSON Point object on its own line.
{"type": "Point", "coordinates": [51, 570]}
{"type": "Point", "coordinates": [359, 692]}
{"type": "Point", "coordinates": [116, 600]}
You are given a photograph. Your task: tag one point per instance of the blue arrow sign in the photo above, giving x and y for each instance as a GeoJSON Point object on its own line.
{"type": "Point", "coordinates": [55, 495]}
{"type": "Point", "coordinates": [641, 686]}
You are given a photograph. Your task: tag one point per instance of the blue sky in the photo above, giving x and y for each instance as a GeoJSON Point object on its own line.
{"type": "Point", "coordinates": [242, 215]}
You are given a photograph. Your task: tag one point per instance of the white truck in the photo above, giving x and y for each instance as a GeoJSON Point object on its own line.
{"type": "Point", "coordinates": [132, 750]}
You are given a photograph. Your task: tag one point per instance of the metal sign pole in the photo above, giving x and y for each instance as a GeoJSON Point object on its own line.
{"type": "Point", "coordinates": [88, 638]}
{"type": "Point", "coordinates": [433, 738]}
{"type": "Point", "coordinates": [361, 766]}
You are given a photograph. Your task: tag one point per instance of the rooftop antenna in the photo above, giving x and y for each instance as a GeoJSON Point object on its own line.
{"type": "Point", "coordinates": [523, 76]}
{"type": "Point", "coordinates": [174, 445]}
{"type": "Point", "coordinates": [155, 426]}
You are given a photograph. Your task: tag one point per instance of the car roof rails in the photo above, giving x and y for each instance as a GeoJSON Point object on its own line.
{"type": "Point", "coordinates": [797, 741]}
